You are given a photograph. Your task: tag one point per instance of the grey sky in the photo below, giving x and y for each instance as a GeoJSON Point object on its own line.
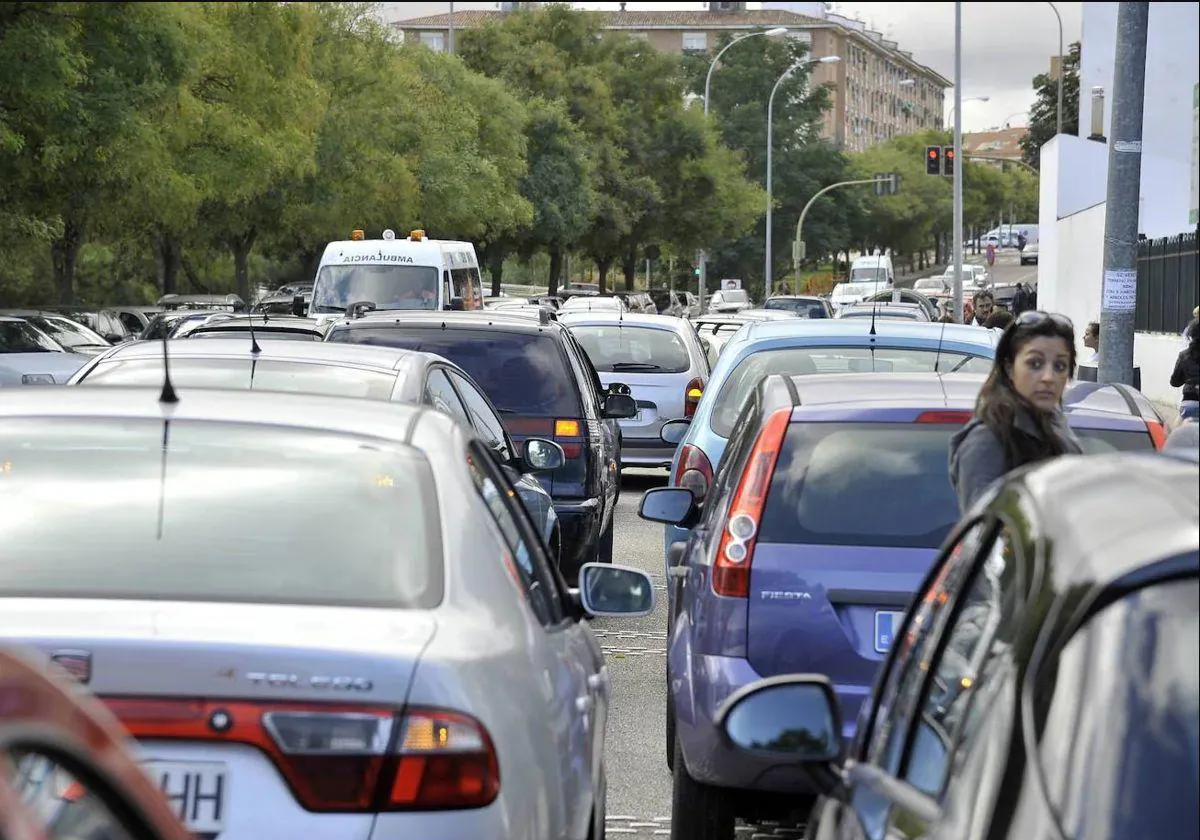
{"type": "Point", "coordinates": [1004, 44]}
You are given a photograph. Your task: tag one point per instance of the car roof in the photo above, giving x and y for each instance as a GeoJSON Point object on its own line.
{"type": "Point", "coordinates": [1110, 515]}
{"type": "Point", "coordinates": [480, 319]}
{"type": "Point", "coordinates": [834, 328]}
{"type": "Point", "coordinates": [621, 319]}
{"type": "Point", "coordinates": [319, 352]}
{"type": "Point", "coordinates": [380, 419]}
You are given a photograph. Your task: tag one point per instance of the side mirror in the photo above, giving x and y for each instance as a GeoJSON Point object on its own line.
{"type": "Point", "coordinates": [298, 307]}
{"type": "Point", "coordinates": [669, 505]}
{"type": "Point", "coordinates": [114, 338]}
{"type": "Point", "coordinates": [620, 407]}
{"type": "Point", "coordinates": [606, 590]}
{"type": "Point", "coordinates": [794, 717]}
{"type": "Point", "coordinates": [540, 455]}
{"type": "Point", "coordinates": [456, 304]}
{"type": "Point", "coordinates": [673, 431]}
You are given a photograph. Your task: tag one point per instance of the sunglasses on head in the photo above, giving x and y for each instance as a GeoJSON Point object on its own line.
{"type": "Point", "coordinates": [1033, 317]}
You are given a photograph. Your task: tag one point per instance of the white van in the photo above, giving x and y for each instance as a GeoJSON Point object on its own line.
{"type": "Point", "coordinates": [391, 273]}
{"type": "Point", "coordinates": [873, 269]}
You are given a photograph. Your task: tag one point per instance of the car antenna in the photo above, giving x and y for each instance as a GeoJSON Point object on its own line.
{"type": "Point", "coordinates": [938, 358]}
{"type": "Point", "coordinates": [874, 307]}
{"type": "Point", "coordinates": [254, 348]}
{"type": "Point", "coordinates": [167, 395]}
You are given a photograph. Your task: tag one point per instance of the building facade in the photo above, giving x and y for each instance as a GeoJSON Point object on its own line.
{"type": "Point", "coordinates": [995, 145]}
{"type": "Point", "coordinates": [879, 91]}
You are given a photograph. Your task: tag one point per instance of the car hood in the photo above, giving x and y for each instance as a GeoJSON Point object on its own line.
{"type": "Point", "coordinates": [59, 365]}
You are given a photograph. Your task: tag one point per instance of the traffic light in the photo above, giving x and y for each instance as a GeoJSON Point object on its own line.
{"type": "Point", "coordinates": [948, 158]}
{"type": "Point", "coordinates": [933, 160]}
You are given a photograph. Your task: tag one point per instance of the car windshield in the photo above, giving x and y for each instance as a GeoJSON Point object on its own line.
{"type": "Point", "coordinates": [522, 372]}
{"type": "Point", "coordinates": [795, 361]}
{"type": "Point", "coordinates": [257, 375]}
{"type": "Point", "coordinates": [386, 286]}
{"type": "Point", "coordinates": [617, 348]}
{"type": "Point", "coordinates": [204, 511]}
{"type": "Point", "coordinates": [844, 290]}
{"type": "Point", "coordinates": [20, 337]}
{"type": "Point", "coordinates": [68, 333]}
{"type": "Point", "coordinates": [863, 484]}
{"type": "Point", "coordinates": [868, 274]}
{"type": "Point", "coordinates": [929, 283]}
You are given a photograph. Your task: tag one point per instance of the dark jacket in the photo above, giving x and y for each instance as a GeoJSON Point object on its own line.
{"type": "Point", "coordinates": [1187, 374]}
{"type": "Point", "coordinates": [978, 458]}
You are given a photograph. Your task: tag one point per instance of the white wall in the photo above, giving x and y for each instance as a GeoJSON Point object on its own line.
{"type": "Point", "coordinates": [1172, 69]}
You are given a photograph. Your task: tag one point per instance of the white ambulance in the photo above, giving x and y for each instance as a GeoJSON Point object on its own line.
{"type": "Point", "coordinates": [363, 274]}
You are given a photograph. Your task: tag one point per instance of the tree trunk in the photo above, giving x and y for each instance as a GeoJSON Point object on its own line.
{"type": "Point", "coordinates": [189, 271]}
{"type": "Point", "coordinates": [241, 246]}
{"type": "Point", "coordinates": [629, 264]}
{"type": "Point", "coordinates": [556, 263]}
{"type": "Point", "coordinates": [64, 254]}
{"type": "Point", "coordinates": [602, 268]}
{"type": "Point", "coordinates": [166, 262]}
{"type": "Point", "coordinates": [496, 270]}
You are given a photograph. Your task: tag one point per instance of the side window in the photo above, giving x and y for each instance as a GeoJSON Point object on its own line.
{"type": "Point", "coordinates": [440, 394]}
{"type": "Point", "coordinates": [729, 471]}
{"type": "Point", "coordinates": [977, 642]}
{"type": "Point", "coordinates": [914, 648]}
{"type": "Point", "coordinates": [465, 284]}
{"type": "Point", "coordinates": [483, 417]}
{"type": "Point", "coordinates": [585, 375]}
{"type": "Point", "coordinates": [526, 562]}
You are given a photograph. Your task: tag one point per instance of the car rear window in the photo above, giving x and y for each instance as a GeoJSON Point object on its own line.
{"type": "Point", "coordinates": [868, 484]}
{"type": "Point", "coordinates": [203, 511]}
{"type": "Point", "coordinates": [523, 372]}
{"type": "Point", "coordinates": [796, 361]}
{"type": "Point", "coordinates": [635, 349]}
{"type": "Point", "coordinates": [265, 375]}
{"type": "Point", "coordinates": [1100, 441]}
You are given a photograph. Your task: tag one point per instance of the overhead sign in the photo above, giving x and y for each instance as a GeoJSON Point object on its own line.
{"type": "Point", "coordinates": [730, 285]}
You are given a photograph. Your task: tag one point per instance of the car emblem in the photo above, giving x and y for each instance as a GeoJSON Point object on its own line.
{"type": "Point", "coordinates": [77, 663]}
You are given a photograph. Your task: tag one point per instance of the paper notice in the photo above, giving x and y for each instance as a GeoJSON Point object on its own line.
{"type": "Point", "coordinates": [1120, 290]}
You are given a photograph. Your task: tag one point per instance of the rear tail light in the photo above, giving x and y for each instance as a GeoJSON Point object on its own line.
{"type": "Point", "coordinates": [731, 570]}
{"type": "Point", "coordinates": [944, 417]}
{"type": "Point", "coordinates": [693, 471]}
{"type": "Point", "coordinates": [1158, 433]}
{"type": "Point", "coordinates": [569, 429]}
{"type": "Point", "coordinates": [338, 758]}
{"type": "Point", "coordinates": [691, 396]}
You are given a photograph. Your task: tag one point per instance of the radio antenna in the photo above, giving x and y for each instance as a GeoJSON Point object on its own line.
{"type": "Point", "coordinates": [938, 358]}
{"type": "Point", "coordinates": [254, 348]}
{"type": "Point", "coordinates": [167, 395]}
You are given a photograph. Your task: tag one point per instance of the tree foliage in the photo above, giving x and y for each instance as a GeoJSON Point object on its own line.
{"type": "Point", "coordinates": [1043, 116]}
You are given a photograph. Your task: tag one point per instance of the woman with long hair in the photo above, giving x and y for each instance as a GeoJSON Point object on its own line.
{"type": "Point", "coordinates": [1187, 374]}
{"type": "Point", "coordinates": [1019, 417]}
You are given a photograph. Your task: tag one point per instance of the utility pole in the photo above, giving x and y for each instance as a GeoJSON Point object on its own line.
{"type": "Point", "coordinates": [958, 169]}
{"type": "Point", "coordinates": [1124, 190]}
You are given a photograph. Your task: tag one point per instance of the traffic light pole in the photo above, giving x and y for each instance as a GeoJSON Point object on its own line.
{"type": "Point", "coordinates": [958, 170]}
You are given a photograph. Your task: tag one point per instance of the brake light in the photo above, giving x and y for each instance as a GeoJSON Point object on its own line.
{"type": "Point", "coordinates": [1158, 433]}
{"type": "Point", "coordinates": [691, 396]}
{"type": "Point", "coordinates": [944, 417]}
{"type": "Point", "coordinates": [693, 471]}
{"type": "Point", "coordinates": [731, 571]}
{"type": "Point", "coordinates": [339, 758]}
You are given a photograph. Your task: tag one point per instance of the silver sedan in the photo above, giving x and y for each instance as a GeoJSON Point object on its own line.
{"type": "Point", "coordinates": [662, 361]}
{"type": "Point", "coordinates": [320, 617]}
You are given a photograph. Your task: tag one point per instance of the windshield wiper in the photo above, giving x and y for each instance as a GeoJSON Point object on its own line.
{"type": "Point", "coordinates": [634, 366]}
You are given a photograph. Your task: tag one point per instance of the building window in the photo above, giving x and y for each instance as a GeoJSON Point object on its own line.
{"type": "Point", "coordinates": [695, 41]}
{"type": "Point", "coordinates": [436, 41]}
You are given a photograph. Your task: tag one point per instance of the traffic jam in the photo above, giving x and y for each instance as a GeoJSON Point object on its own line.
{"type": "Point", "coordinates": [337, 565]}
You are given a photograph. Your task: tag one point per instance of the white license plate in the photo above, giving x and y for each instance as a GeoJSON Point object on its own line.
{"type": "Point", "coordinates": [196, 791]}
{"type": "Point", "coordinates": [887, 622]}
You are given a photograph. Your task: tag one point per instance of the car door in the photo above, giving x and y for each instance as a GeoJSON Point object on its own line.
{"type": "Point", "coordinates": [483, 418]}
{"type": "Point", "coordinates": [439, 394]}
{"type": "Point", "coordinates": [575, 686]}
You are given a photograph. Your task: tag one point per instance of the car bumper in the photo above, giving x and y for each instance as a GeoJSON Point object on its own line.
{"type": "Point", "coordinates": [646, 452]}
{"type": "Point", "coordinates": [579, 525]}
{"type": "Point", "coordinates": [491, 821]}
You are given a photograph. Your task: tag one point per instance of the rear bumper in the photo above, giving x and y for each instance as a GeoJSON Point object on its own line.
{"type": "Point", "coordinates": [579, 526]}
{"type": "Point", "coordinates": [491, 821]}
{"type": "Point", "coordinates": [646, 452]}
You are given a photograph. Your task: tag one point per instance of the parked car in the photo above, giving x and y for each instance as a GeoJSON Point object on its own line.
{"type": "Point", "coordinates": [1043, 684]}
{"type": "Point", "coordinates": [823, 519]}
{"type": "Point", "coordinates": [68, 333]}
{"type": "Point", "coordinates": [543, 385]}
{"type": "Point", "coordinates": [30, 357]}
{"type": "Point", "coordinates": [381, 373]}
{"type": "Point", "coordinates": [660, 359]}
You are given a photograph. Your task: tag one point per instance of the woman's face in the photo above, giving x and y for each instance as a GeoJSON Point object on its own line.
{"type": "Point", "coordinates": [1041, 369]}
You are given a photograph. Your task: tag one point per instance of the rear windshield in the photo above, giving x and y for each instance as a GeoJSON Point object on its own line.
{"type": "Point", "coordinates": [868, 484]}
{"type": "Point", "coordinates": [733, 295]}
{"type": "Point", "coordinates": [220, 512]}
{"type": "Point", "coordinates": [265, 375]}
{"type": "Point", "coordinates": [881, 312]}
{"type": "Point", "coordinates": [800, 306]}
{"type": "Point", "coordinates": [634, 349]}
{"type": "Point", "coordinates": [1100, 441]}
{"type": "Point", "coordinates": [523, 372]}
{"type": "Point", "coordinates": [795, 361]}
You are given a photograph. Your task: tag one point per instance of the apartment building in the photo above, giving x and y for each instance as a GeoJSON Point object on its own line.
{"type": "Point", "coordinates": [879, 91]}
{"type": "Point", "coordinates": [995, 145]}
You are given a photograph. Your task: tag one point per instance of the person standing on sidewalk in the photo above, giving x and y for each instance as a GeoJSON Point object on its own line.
{"type": "Point", "coordinates": [1019, 417]}
{"type": "Point", "coordinates": [1187, 375]}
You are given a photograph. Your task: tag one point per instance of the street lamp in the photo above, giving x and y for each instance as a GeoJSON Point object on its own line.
{"type": "Point", "coordinates": [770, 33]}
{"type": "Point", "coordinates": [828, 59]}
{"type": "Point", "coordinates": [968, 99]}
{"type": "Point", "coordinates": [1061, 66]}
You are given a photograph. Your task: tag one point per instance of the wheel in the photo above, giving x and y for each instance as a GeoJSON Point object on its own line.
{"type": "Point", "coordinates": [555, 546]}
{"type": "Point", "coordinates": [670, 729]}
{"type": "Point", "coordinates": [600, 810]}
{"type": "Point", "coordinates": [604, 550]}
{"type": "Point", "coordinates": [698, 811]}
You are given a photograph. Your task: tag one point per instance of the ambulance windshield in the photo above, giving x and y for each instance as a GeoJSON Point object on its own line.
{"type": "Point", "coordinates": [387, 286]}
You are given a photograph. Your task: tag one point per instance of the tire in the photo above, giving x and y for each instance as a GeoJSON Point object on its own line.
{"type": "Point", "coordinates": [604, 548]}
{"type": "Point", "coordinates": [698, 811]}
{"type": "Point", "coordinates": [670, 730]}
{"type": "Point", "coordinates": [556, 546]}
{"type": "Point", "coordinates": [600, 814]}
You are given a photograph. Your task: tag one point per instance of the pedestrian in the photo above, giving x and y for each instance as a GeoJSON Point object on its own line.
{"type": "Point", "coordinates": [1091, 340]}
{"type": "Point", "coordinates": [998, 320]}
{"type": "Point", "coordinates": [1017, 304]}
{"type": "Point", "coordinates": [1021, 240]}
{"type": "Point", "coordinates": [1019, 418]}
{"type": "Point", "coordinates": [991, 253]}
{"type": "Point", "coordinates": [1187, 375]}
{"type": "Point", "coordinates": [983, 304]}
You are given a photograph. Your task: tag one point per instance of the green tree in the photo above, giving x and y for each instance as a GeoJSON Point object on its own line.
{"type": "Point", "coordinates": [1043, 116]}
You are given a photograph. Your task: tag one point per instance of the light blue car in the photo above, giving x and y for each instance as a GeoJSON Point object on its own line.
{"type": "Point", "coordinates": [799, 346]}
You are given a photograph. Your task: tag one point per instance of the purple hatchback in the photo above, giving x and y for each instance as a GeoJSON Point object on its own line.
{"type": "Point", "coordinates": [824, 516]}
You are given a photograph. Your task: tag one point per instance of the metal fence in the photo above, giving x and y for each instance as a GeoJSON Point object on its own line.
{"type": "Point", "coordinates": [1168, 283]}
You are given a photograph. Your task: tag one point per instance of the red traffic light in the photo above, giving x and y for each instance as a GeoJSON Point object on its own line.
{"type": "Point", "coordinates": [950, 153]}
{"type": "Point", "coordinates": [933, 154]}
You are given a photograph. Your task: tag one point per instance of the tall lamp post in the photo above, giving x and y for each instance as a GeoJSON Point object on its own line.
{"type": "Point", "coordinates": [1061, 66]}
{"type": "Point", "coordinates": [767, 258]}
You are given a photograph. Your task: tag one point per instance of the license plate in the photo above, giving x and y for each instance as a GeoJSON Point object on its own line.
{"type": "Point", "coordinates": [887, 622]}
{"type": "Point", "coordinates": [196, 791]}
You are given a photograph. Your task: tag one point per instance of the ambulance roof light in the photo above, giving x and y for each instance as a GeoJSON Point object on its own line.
{"type": "Point", "coordinates": [417, 235]}
{"type": "Point", "coordinates": [389, 235]}
{"type": "Point", "coordinates": [357, 235]}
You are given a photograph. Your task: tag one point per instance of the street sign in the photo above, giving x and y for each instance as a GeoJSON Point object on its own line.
{"type": "Point", "coordinates": [730, 284]}
{"type": "Point", "coordinates": [886, 183]}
